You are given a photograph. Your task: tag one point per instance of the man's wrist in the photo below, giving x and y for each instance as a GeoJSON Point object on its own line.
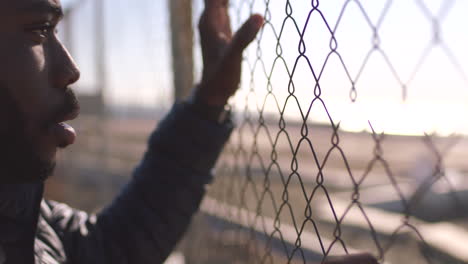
{"type": "Point", "coordinates": [216, 113]}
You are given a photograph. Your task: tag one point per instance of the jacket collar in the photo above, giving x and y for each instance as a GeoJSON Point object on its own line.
{"type": "Point", "coordinates": [19, 211]}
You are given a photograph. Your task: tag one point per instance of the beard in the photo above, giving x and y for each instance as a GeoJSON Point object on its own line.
{"type": "Point", "coordinates": [20, 161]}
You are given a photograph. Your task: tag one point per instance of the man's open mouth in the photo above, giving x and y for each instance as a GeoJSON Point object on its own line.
{"type": "Point", "coordinates": [63, 132]}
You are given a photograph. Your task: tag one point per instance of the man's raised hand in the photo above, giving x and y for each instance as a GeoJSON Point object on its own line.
{"type": "Point", "coordinates": [222, 52]}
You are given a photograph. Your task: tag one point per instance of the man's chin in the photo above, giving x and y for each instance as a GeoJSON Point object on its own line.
{"type": "Point", "coordinates": [38, 176]}
{"type": "Point", "coordinates": [46, 171]}
{"type": "Point", "coordinates": [22, 172]}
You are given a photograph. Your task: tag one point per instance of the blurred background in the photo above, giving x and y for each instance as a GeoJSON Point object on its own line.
{"type": "Point", "coordinates": [350, 121]}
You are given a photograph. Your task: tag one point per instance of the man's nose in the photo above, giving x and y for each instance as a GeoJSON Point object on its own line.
{"type": "Point", "coordinates": [65, 71]}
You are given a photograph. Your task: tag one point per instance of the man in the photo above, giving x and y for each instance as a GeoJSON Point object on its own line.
{"type": "Point", "coordinates": [147, 219]}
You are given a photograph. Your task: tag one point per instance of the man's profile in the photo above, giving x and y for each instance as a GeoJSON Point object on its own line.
{"type": "Point", "coordinates": [143, 224]}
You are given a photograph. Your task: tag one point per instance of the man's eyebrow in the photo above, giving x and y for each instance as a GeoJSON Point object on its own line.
{"type": "Point", "coordinates": [43, 7]}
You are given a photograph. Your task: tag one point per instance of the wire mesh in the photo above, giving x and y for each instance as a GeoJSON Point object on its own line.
{"type": "Point", "coordinates": [347, 140]}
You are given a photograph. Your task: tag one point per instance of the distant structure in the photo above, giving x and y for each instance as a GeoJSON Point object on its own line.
{"type": "Point", "coordinates": [182, 47]}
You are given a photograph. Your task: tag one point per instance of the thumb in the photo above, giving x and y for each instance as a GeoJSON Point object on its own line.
{"type": "Point", "coordinates": [246, 33]}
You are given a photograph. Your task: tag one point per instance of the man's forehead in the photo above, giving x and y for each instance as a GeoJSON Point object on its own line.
{"type": "Point", "coordinates": [31, 5]}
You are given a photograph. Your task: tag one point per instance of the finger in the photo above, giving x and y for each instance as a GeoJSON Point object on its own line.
{"type": "Point", "coordinates": [215, 23]}
{"type": "Point", "coordinates": [216, 3]}
{"type": "Point", "coordinates": [213, 39]}
{"type": "Point", "coordinates": [246, 34]}
{"type": "Point", "coordinates": [232, 58]}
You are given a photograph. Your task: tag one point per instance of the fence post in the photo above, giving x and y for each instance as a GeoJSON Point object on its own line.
{"type": "Point", "coordinates": [182, 47]}
{"type": "Point", "coordinates": [68, 29]}
{"type": "Point", "coordinates": [102, 82]}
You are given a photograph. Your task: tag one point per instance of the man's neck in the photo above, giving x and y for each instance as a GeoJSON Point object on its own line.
{"type": "Point", "coordinates": [19, 209]}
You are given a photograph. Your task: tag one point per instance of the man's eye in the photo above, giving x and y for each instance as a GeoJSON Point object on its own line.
{"type": "Point", "coordinates": [42, 30]}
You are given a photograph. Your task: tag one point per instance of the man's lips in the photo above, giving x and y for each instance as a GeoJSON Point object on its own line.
{"type": "Point", "coordinates": [71, 115]}
{"type": "Point", "coordinates": [64, 134]}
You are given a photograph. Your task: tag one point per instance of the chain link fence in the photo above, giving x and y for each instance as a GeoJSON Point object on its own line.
{"type": "Point", "coordinates": [350, 137]}
{"type": "Point", "coordinates": [350, 132]}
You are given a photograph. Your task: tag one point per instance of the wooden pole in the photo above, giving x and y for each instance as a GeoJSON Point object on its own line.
{"type": "Point", "coordinates": [101, 83]}
{"type": "Point", "coordinates": [100, 49]}
{"type": "Point", "coordinates": [68, 29]}
{"type": "Point", "coordinates": [182, 47]}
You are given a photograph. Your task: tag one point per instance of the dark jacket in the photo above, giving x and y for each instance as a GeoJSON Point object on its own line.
{"type": "Point", "coordinates": [143, 223]}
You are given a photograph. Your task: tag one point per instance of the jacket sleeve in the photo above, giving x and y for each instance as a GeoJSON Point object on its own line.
{"type": "Point", "coordinates": [144, 223]}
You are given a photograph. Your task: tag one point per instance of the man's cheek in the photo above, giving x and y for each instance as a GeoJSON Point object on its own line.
{"type": "Point", "coordinates": [17, 123]}
{"type": "Point", "coordinates": [7, 109]}
{"type": "Point", "coordinates": [39, 59]}
{"type": "Point", "coordinates": [29, 87]}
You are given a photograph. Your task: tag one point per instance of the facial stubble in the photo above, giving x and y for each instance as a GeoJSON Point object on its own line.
{"type": "Point", "coordinates": [19, 159]}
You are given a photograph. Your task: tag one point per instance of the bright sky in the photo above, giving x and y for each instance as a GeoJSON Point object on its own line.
{"type": "Point", "coordinates": [437, 94]}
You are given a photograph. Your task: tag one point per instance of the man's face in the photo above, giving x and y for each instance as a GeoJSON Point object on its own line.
{"type": "Point", "coordinates": [35, 98]}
